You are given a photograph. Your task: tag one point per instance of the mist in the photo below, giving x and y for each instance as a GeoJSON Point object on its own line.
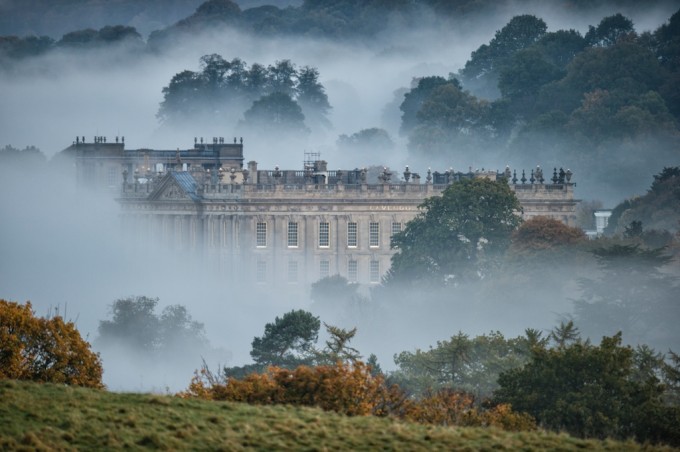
{"type": "Point", "coordinates": [63, 249]}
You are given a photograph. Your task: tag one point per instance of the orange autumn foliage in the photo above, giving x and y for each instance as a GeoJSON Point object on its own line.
{"type": "Point", "coordinates": [44, 350]}
{"type": "Point", "coordinates": [351, 389]}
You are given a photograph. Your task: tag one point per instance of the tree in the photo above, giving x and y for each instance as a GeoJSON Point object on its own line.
{"type": "Point", "coordinates": [544, 233]}
{"type": "Point", "coordinates": [630, 293]}
{"type": "Point", "coordinates": [311, 95]}
{"type": "Point", "coordinates": [590, 391]}
{"type": "Point", "coordinates": [276, 113]}
{"type": "Point", "coordinates": [470, 365]}
{"type": "Point", "coordinates": [413, 101]}
{"type": "Point", "coordinates": [609, 30]}
{"type": "Point", "coordinates": [288, 342]}
{"type": "Point", "coordinates": [44, 349]}
{"type": "Point", "coordinates": [481, 71]}
{"type": "Point", "coordinates": [282, 77]}
{"type": "Point", "coordinates": [521, 79]}
{"type": "Point", "coordinates": [366, 141]}
{"type": "Point", "coordinates": [181, 97]}
{"type": "Point", "coordinates": [136, 325]}
{"type": "Point", "coordinates": [337, 346]}
{"type": "Point", "coordinates": [457, 235]}
{"type": "Point", "coordinates": [449, 118]}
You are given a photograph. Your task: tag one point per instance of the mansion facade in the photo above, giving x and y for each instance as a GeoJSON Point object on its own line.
{"type": "Point", "coordinates": [284, 227]}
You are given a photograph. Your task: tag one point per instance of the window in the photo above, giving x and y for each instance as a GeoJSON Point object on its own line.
{"type": "Point", "coordinates": [374, 235]}
{"type": "Point", "coordinates": [113, 177]}
{"type": "Point", "coordinates": [292, 235]}
{"type": "Point", "coordinates": [324, 269]}
{"type": "Point", "coordinates": [324, 235]}
{"type": "Point", "coordinates": [292, 271]}
{"type": "Point", "coordinates": [352, 271]}
{"type": "Point", "coordinates": [352, 235]}
{"type": "Point", "coordinates": [396, 228]}
{"type": "Point", "coordinates": [374, 274]}
{"type": "Point", "coordinates": [261, 272]}
{"type": "Point", "coordinates": [261, 235]}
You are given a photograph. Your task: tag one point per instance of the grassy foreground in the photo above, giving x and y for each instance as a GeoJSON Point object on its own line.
{"type": "Point", "coordinates": [46, 416]}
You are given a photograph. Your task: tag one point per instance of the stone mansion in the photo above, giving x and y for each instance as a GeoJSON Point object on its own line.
{"type": "Point", "coordinates": [280, 227]}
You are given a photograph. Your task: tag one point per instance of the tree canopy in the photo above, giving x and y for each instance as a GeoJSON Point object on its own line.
{"type": "Point", "coordinates": [46, 350]}
{"type": "Point", "coordinates": [593, 391]}
{"type": "Point", "coordinates": [134, 324]}
{"type": "Point", "coordinates": [457, 235]}
{"type": "Point", "coordinates": [277, 97]}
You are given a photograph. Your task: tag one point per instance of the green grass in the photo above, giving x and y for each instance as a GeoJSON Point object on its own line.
{"type": "Point", "coordinates": [53, 417]}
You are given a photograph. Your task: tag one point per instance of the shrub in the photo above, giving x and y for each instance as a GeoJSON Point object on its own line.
{"type": "Point", "coordinates": [351, 389]}
{"type": "Point", "coordinates": [44, 350]}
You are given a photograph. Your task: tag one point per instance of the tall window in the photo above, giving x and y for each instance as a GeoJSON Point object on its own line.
{"type": "Point", "coordinates": [261, 235]}
{"type": "Point", "coordinates": [113, 177]}
{"type": "Point", "coordinates": [352, 271]}
{"type": "Point", "coordinates": [396, 228]}
{"type": "Point", "coordinates": [374, 234]}
{"type": "Point", "coordinates": [324, 235]}
{"type": "Point", "coordinates": [352, 235]}
{"type": "Point", "coordinates": [292, 271]}
{"type": "Point", "coordinates": [324, 269]}
{"type": "Point", "coordinates": [374, 274]}
{"type": "Point", "coordinates": [261, 272]}
{"type": "Point", "coordinates": [292, 235]}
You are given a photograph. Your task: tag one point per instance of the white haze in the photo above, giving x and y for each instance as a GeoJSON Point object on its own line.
{"type": "Point", "coordinates": [64, 250]}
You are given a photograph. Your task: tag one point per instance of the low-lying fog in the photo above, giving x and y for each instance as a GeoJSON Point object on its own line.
{"type": "Point", "coordinates": [63, 249]}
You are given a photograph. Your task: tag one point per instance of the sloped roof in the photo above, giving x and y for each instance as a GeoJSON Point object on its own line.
{"type": "Point", "coordinates": [174, 183]}
{"type": "Point", "coordinates": [186, 182]}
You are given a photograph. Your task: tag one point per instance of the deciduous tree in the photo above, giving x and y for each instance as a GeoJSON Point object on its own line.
{"type": "Point", "coordinates": [457, 235]}
{"type": "Point", "coordinates": [44, 349]}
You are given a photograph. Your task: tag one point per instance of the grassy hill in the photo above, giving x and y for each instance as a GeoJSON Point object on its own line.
{"type": "Point", "coordinates": [44, 417]}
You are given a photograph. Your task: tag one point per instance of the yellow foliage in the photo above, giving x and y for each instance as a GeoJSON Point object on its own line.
{"type": "Point", "coordinates": [44, 350]}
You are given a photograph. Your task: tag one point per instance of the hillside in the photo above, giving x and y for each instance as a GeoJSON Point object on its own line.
{"type": "Point", "coordinates": [51, 416]}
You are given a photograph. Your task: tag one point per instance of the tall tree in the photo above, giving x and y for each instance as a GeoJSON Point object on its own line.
{"type": "Point", "coordinates": [457, 235]}
{"type": "Point", "coordinates": [276, 113]}
{"type": "Point", "coordinates": [463, 363]}
{"type": "Point", "coordinates": [632, 293]}
{"type": "Point", "coordinates": [609, 30]}
{"type": "Point", "coordinates": [311, 95]}
{"type": "Point", "coordinates": [591, 391]}
{"type": "Point", "coordinates": [480, 74]}
{"type": "Point", "coordinates": [288, 341]}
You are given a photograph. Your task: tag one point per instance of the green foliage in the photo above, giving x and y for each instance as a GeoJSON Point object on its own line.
{"type": "Point", "coordinates": [632, 293]}
{"type": "Point", "coordinates": [591, 392]}
{"type": "Point", "coordinates": [135, 325]}
{"type": "Point", "coordinates": [337, 346]}
{"type": "Point", "coordinates": [658, 209]}
{"type": "Point", "coordinates": [29, 158]}
{"type": "Point", "coordinates": [44, 349]}
{"type": "Point", "coordinates": [481, 72]}
{"type": "Point", "coordinates": [470, 365]}
{"type": "Point", "coordinates": [457, 236]}
{"type": "Point", "coordinates": [449, 118]}
{"type": "Point", "coordinates": [271, 98]}
{"type": "Point", "coordinates": [414, 99]}
{"type": "Point", "coordinates": [106, 35]}
{"type": "Point", "coordinates": [609, 30]}
{"type": "Point", "coordinates": [275, 113]}
{"type": "Point", "coordinates": [366, 140]}
{"type": "Point", "coordinates": [288, 341]}
{"type": "Point", "coordinates": [14, 47]}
